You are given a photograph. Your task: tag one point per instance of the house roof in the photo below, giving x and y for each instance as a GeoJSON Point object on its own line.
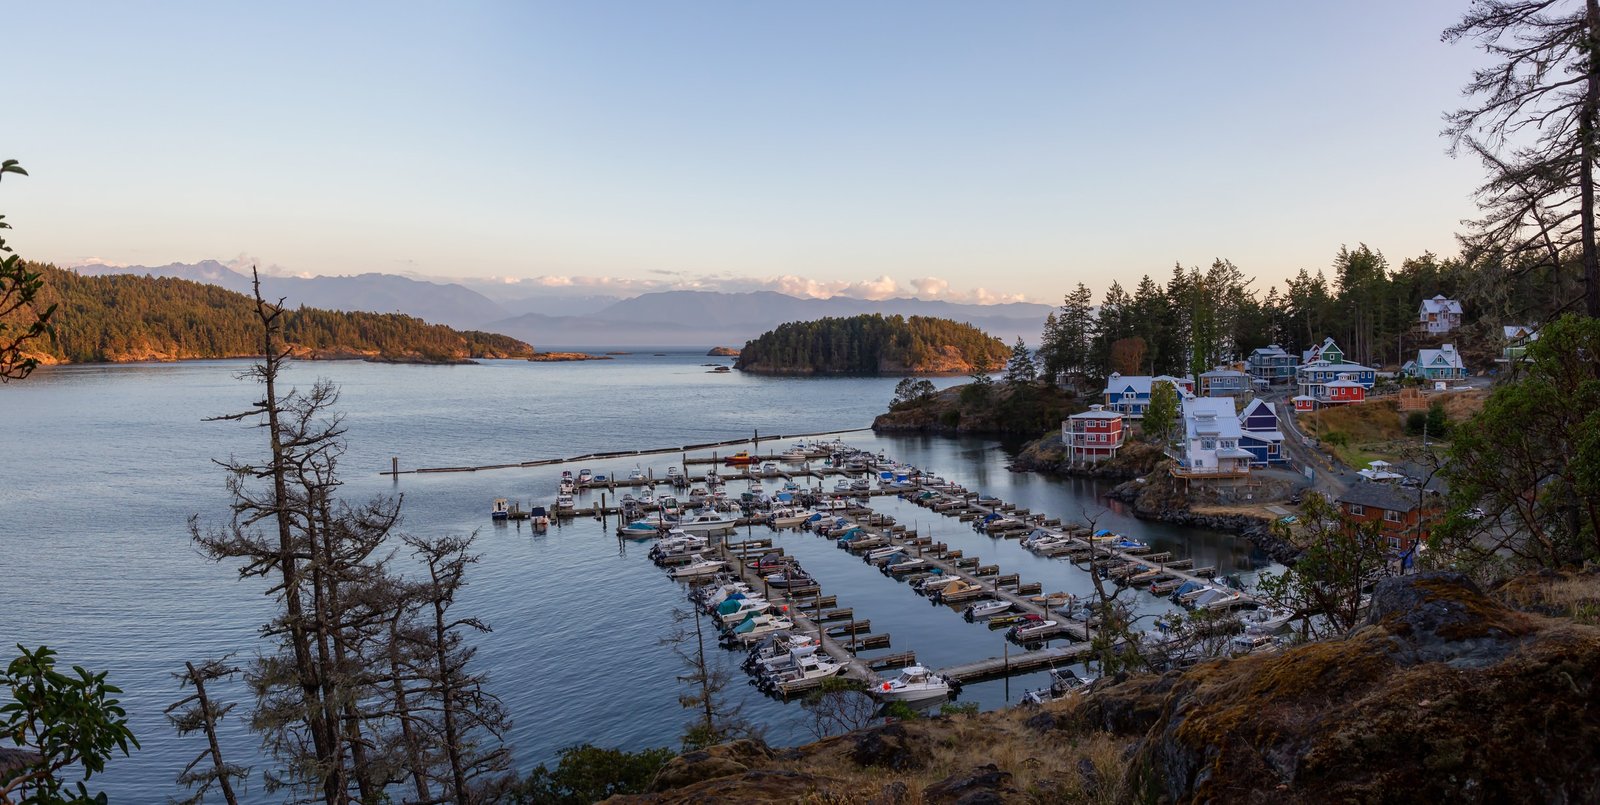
{"type": "Point", "coordinates": [1381, 496]}
{"type": "Point", "coordinates": [1269, 351]}
{"type": "Point", "coordinates": [1223, 372]}
{"type": "Point", "coordinates": [1439, 304]}
{"type": "Point", "coordinates": [1262, 435]}
{"type": "Point", "coordinates": [1312, 353]}
{"type": "Point", "coordinates": [1252, 407]}
{"type": "Point", "coordinates": [1344, 381]}
{"type": "Point", "coordinates": [1210, 417]}
{"type": "Point", "coordinates": [1119, 384]}
{"type": "Point", "coordinates": [1514, 331]}
{"type": "Point", "coordinates": [1097, 412]}
{"type": "Point", "coordinates": [1324, 366]}
{"type": "Point", "coordinates": [1446, 358]}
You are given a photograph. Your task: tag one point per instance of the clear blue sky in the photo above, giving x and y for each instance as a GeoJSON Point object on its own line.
{"type": "Point", "coordinates": [1019, 147]}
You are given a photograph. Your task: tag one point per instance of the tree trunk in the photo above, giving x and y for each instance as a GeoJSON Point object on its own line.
{"type": "Point", "coordinates": [1586, 133]}
{"type": "Point", "coordinates": [211, 734]}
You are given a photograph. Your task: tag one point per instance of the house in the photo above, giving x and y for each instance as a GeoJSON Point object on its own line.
{"type": "Point", "coordinates": [1224, 382]}
{"type": "Point", "coordinates": [1517, 338]}
{"type": "Point", "coordinates": [1210, 441]}
{"type": "Point", "coordinates": [1403, 514]}
{"type": "Point", "coordinates": [1443, 363]}
{"type": "Point", "coordinates": [1129, 395]}
{"type": "Point", "coordinates": [1259, 435]}
{"type": "Point", "coordinates": [1271, 364]}
{"type": "Point", "coordinates": [1439, 315]}
{"type": "Point", "coordinates": [1343, 391]}
{"type": "Point", "coordinates": [1093, 435]}
{"type": "Point", "coordinates": [1314, 377]}
{"type": "Point", "coordinates": [1305, 403]}
{"type": "Point", "coordinates": [1326, 351]}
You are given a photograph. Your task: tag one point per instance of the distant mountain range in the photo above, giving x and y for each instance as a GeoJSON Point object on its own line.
{"type": "Point", "coordinates": [667, 319]}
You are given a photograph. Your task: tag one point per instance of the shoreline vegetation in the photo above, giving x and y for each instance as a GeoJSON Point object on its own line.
{"type": "Point", "coordinates": [128, 319]}
{"type": "Point", "coordinates": [873, 344]}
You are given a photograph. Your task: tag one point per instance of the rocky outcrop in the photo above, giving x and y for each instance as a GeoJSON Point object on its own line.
{"type": "Point", "coordinates": [722, 760]}
{"type": "Point", "coordinates": [1443, 695]}
{"type": "Point", "coordinates": [556, 357]}
{"type": "Point", "coordinates": [723, 352]}
{"type": "Point", "coordinates": [984, 785]}
{"type": "Point", "coordinates": [1175, 510]}
{"type": "Point", "coordinates": [1049, 455]}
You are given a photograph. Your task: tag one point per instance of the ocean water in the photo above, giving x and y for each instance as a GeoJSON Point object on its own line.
{"type": "Point", "coordinates": [101, 468]}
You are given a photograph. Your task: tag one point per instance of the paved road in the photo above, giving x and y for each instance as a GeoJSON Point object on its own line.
{"type": "Point", "coordinates": [1330, 479]}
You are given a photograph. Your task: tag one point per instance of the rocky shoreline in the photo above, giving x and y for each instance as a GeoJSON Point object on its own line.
{"type": "Point", "coordinates": [1255, 529]}
{"type": "Point", "coordinates": [553, 357]}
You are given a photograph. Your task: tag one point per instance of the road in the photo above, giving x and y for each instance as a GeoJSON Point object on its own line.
{"type": "Point", "coordinates": [1330, 479]}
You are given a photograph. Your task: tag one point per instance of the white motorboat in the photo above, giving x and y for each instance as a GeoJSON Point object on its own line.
{"type": "Point", "coordinates": [880, 554]}
{"type": "Point", "coordinates": [842, 485]}
{"type": "Point", "coordinates": [567, 487]}
{"type": "Point", "coordinates": [985, 609]}
{"type": "Point", "coordinates": [935, 583]}
{"type": "Point", "coordinates": [636, 474]}
{"type": "Point", "coordinates": [1266, 620]}
{"type": "Point", "coordinates": [914, 683]}
{"type": "Point", "coordinates": [699, 566]}
{"type": "Point", "coordinates": [1062, 682]}
{"type": "Point", "coordinates": [501, 509]}
{"type": "Point", "coordinates": [905, 564]}
{"type": "Point", "coordinates": [809, 670]}
{"type": "Point", "coordinates": [769, 468]}
{"type": "Point", "coordinates": [585, 476]}
{"type": "Point", "coordinates": [788, 517]}
{"type": "Point", "coordinates": [565, 504]}
{"type": "Point", "coordinates": [733, 610]}
{"type": "Point", "coordinates": [755, 627]}
{"type": "Point", "coordinates": [706, 523]}
{"type": "Point", "coordinates": [1252, 643]}
{"type": "Point", "coordinates": [1032, 628]}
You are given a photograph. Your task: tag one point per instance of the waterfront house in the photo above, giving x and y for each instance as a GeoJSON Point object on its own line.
{"type": "Point", "coordinates": [1326, 351]}
{"type": "Point", "coordinates": [1443, 363]}
{"type": "Point", "coordinates": [1224, 382]}
{"type": "Point", "coordinates": [1517, 337]}
{"type": "Point", "coordinates": [1259, 435]}
{"type": "Point", "coordinates": [1094, 435]}
{"type": "Point", "coordinates": [1403, 514]}
{"type": "Point", "coordinates": [1305, 403]}
{"type": "Point", "coordinates": [1129, 395]}
{"type": "Point", "coordinates": [1210, 443]}
{"type": "Point", "coordinates": [1271, 364]}
{"type": "Point", "coordinates": [1314, 377]}
{"type": "Point", "coordinates": [1439, 315]}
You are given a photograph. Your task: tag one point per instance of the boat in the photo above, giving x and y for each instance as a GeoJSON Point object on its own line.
{"type": "Point", "coordinates": [1252, 643]}
{"type": "Point", "coordinates": [754, 627]}
{"type": "Point", "coordinates": [737, 606]}
{"type": "Point", "coordinates": [501, 509]}
{"type": "Point", "coordinates": [699, 566]}
{"type": "Point", "coordinates": [565, 504]}
{"type": "Point", "coordinates": [960, 590]}
{"type": "Point", "coordinates": [790, 577]}
{"type": "Point", "coordinates": [985, 609]}
{"type": "Point", "coordinates": [1266, 620]}
{"type": "Point", "coordinates": [904, 565]}
{"type": "Point", "coordinates": [1062, 683]}
{"type": "Point", "coordinates": [1032, 628]}
{"type": "Point", "coordinates": [934, 583]}
{"type": "Point", "coordinates": [810, 669]}
{"type": "Point", "coordinates": [741, 458]}
{"type": "Point", "coordinates": [861, 485]}
{"type": "Point", "coordinates": [674, 474]}
{"type": "Point", "coordinates": [538, 517]}
{"type": "Point", "coordinates": [1218, 598]}
{"type": "Point", "coordinates": [584, 476]}
{"type": "Point", "coordinates": [639, 529]}
{"type": "Point", "coordinates": [795, 455]}
{"type": "Point", "coordinates": [788, 518]}
{"type": "Point", "coordinates": [842, 485]}
{"type": "Point", "coordinates": [915, 683]}
{"type": "Point", "coordinates": [722, 370]}
{"type": "Point", "coordinates": [706, 523]}
{"type": "Point", "coordinates": [647, 499]}
{"type": "Point", "coordinates": [771, 561]}
{"type": "Point", "coordinates": [775, 650]}
{"type": "Point", "coordinates": [636, 474]}
{"type": "Point", "coordinates": [769, 468]}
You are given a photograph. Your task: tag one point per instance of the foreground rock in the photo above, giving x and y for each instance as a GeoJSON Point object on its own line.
{"type": "Point", "coordinates": [1444, 695]}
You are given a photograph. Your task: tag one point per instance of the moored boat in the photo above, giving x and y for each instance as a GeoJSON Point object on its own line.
{"type": "Point", "coordinates": [699, 566]}
{"type": "Point", "coordinates": [501, 509]}
{"type": "Point", "coordinates": [915, 683]}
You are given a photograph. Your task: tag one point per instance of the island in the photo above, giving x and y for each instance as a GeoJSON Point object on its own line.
{"type": "Point", "coordinates": [873, 344]}
{"type": "Point", "coordinates": [556, 357]}
{"type": "Point", "coordinates": [723, 352]}
{"type": "Point", "coordinates": [127, 318]}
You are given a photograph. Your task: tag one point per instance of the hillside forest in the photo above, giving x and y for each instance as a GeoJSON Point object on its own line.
{"type": "Point", "coordinates": [126, 317]}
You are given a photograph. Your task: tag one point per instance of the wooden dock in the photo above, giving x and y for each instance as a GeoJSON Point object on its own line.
{"type": "Point", "coordinates": [1023, 662]}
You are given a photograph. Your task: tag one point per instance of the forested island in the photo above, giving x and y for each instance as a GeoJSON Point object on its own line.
{"type": "Point", "coordinates": [873, 344]}
{"type": "Point", "coordinates": [136, 318]}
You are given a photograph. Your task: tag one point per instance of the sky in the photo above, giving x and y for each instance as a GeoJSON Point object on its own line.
{"type": "Point", "coordinates": [958, 150]}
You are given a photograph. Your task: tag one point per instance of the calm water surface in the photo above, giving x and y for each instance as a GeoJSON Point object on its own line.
{"type": "Point", "coordinates": [102, 467]}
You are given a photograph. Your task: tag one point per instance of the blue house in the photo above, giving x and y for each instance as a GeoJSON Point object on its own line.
{"type": "Point", "coordinates": [1259, 435]}
{"type": "Point", "coordinates": [1314, 377]}
{"type": "Point", "coordinates": [1272, 365]}
{"type": "Point", "coordinates": [1129, 395]}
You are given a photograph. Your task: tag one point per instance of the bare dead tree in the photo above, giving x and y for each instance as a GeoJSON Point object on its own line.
{"type": "Point", "coordinates": [197, 712]}
{"type": "Point", "coordinates": [717, 719]}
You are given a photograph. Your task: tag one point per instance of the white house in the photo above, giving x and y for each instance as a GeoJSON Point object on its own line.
{"type": "Point", "coordinates": [1210, 443]}
{"type": "Point", "coordinates": [1517, 338]}
{"type": "Point", "coordinates": [1439, 315]}
{"type": "Point", "coordinates": [1129, 395]}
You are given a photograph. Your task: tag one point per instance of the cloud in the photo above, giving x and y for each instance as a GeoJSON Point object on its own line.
{"type": "Point", "coordinates": [244, 261]}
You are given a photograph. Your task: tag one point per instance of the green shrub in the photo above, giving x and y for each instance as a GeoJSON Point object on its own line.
{"type": "Point", "coordinates": [588, 774]}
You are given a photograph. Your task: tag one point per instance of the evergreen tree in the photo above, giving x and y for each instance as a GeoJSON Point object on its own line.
{"type": "Point", "coordinates": [1020, 369]}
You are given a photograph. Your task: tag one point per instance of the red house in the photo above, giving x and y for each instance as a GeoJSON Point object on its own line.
{"type": "Point", "coordinates": [1403, 514]}
{"type": "Point", "coordinates": [1343, 392]}
{"type": "Point", "coordinates": [1305, 403]}
{"type": "Point", "coordinates": [1093, 435]}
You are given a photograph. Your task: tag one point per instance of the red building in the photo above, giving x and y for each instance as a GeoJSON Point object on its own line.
{"type": "Point", "coordinates": [1404, 515]}
{"type": "Point", "coordinates": [1093, 435]}
{"type": "Point", "coordinates": [1343, 392]}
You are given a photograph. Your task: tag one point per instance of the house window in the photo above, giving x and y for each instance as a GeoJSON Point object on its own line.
{"type": "Point", "coordinates": [1357, 510]}
{"type": "Point", "coordinates": [1208, 444]}
{"type": "Point", "coordinates": [1393, 517]}
{"type": "Point", "coordinates": [1272, 449]}
{"type": "Point", "coordinates": [1394, 542]}
{"type": "Point", "coordinates": [1227, 444]}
